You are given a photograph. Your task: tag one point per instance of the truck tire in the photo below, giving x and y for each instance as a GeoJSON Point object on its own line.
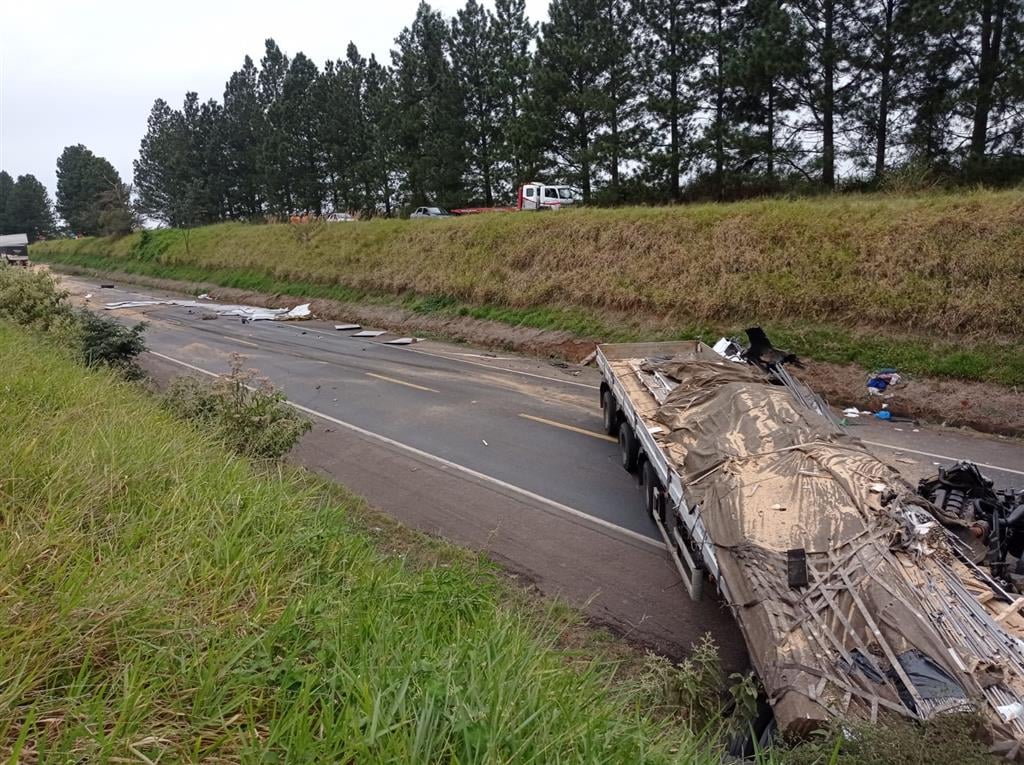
{"type": "Point", "coordinates": [652, 491]}
{"type": "Point", "coordinates": [610, 413]}
{"type": "Point", "coordinates": [755, 733]}
{"type": "Point", "coordinates": [628, 447]}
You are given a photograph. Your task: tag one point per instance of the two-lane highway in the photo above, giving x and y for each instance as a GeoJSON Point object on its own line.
{"type": "Point", "coordinates": [503, 454]}
{"type": "Point", "coordinates": [536, 434]}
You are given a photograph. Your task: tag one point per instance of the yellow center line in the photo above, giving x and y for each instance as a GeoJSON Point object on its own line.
{"type": "Point", "coordinates": [402, 382]}
{"type": "Point", "coordinates": [573, 428]}
{"type": "Point", "coordinates": [239, 340]}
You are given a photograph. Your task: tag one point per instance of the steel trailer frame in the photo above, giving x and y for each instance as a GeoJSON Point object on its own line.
{"type": "Point", "coordinates": [693, 555]}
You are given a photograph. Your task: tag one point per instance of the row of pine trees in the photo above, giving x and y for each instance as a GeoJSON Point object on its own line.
{"type": "Point", "coordinates": [628, 100]}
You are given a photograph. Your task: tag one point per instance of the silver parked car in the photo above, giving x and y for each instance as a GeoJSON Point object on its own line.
{"type": "Point", "coordinates": [430, 212]}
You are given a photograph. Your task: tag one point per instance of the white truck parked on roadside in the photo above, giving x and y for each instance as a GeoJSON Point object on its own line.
{"type": "Point", "coordinates": [540, 196]}
{"type": "Point", "coordinates": [531, 196]}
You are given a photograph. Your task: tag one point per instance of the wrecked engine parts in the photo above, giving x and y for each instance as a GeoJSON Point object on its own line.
{"type": "Point", "coordinates": [989, 521]}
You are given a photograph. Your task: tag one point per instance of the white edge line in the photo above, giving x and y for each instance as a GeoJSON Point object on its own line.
{"type": "Point", "coordinates": [446, 463]}
{"type": "Point", "coordinates": [942, 456]}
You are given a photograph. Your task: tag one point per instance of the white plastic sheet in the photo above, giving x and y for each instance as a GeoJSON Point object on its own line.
{"type": "Point", "coordinates": [251, 313]}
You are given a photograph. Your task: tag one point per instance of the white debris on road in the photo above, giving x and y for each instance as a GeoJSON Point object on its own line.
{"type": "Point", "coordinates": [249, 313]}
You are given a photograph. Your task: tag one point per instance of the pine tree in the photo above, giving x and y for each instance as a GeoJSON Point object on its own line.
{"type": "Point", "coordinates": [431, 125]}
{"type": "Point", "coordinates": [933, 81]}
{"type": "Point", "coordinates": [244, 135]}
{"type": "Point", "coordinates": [568, 104]}
{"type": "Point", "coordinates": [823, 26]}
{"type": "Point", "coordinates": [6, 189]}
{"type": "Point", "coordinates": [764, 62]}
{"type": "Point", "coordinates": [965, 90]}
{"type": "Point", "coordinates": [180, 174]}
{"type": "Point", "coordinates": [29, 209]}
{"type": "Point", "coordinates": [669, 44]}
{"type": "Point", "coordinates": [474, 56]}
{"type": "Point", "coordinates": [199, 165]}
{"type": "Point", "coordinates": [158, 181]}
{"type": "Point", "coordinates": [625, 129]}
{"type": "Point", "coordinates": [989, 26]}
{"type": "Point", "coordinates": [880, 47]}
{"type": "Point", "coordinates": [117, 212]}
{"type": "Point", "coordinates": [86, 186]}
{"type": "Point", "coordinates": [274, 153]}
{"type": "Point", "coordinates": [299, 119]}
{"type": "Point", "coordinates": [380, 171]}
{"type": "Point", "coordinates": [715, 86]}
{"type": "Point", "coordinates": [512, 34]}
{"type": "Point", "coordinates": [345, 135]}
{"type": "Point", "coordinates": [209, 135]}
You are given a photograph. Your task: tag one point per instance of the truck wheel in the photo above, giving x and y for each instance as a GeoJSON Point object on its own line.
{"type": "Point", "coordinates": [754, 733]}
{"type": "Point", "coordinates": [611, 420]}
{"type": "Point", "coordinates": [628, 447]}
{"type": "Point", "coordinates": [652, 491]}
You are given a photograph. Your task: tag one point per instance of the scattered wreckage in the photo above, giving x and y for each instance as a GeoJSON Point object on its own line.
{"type": "Point", "coordinates": [209, 310]}
{"type": "Point", "coordinates": [858, 594]}
{"type": "Point", "coordinates": [247, 313]}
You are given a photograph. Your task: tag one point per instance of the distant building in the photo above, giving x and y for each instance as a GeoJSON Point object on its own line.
{"type": "Point", "coordinates": [14, 249]}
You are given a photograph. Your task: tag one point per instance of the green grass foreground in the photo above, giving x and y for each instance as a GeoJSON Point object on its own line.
{"type": "Point", "coordinates": [933, 284]}
{"type": "Point", "coordinates": [162, 600]}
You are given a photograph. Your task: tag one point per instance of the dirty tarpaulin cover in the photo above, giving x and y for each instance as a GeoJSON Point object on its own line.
{"type": "Point", "coordinates": [777, 483]}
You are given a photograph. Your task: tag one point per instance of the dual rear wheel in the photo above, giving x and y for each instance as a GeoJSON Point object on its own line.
{"type": "Point", "coordinates": [610, 413]}
{"type": "Point", "coordinates": [629, 451]}
{"type": "Point", "coordinates": [629, 448]}
{"type": "Point", "coordinates": [652, 498]}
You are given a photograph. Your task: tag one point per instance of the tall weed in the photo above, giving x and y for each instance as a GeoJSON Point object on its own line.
{"type": "Point", "coordinates": [243, 411]}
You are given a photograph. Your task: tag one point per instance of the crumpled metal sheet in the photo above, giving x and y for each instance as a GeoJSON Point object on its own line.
{"type": "Point", "coordinates": [252, 313]}
{"type": "Point", "coordinates": [771, 477]}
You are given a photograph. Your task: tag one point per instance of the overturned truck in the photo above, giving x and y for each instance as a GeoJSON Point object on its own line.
{"type": "Point", "coordinates": [858, 594]}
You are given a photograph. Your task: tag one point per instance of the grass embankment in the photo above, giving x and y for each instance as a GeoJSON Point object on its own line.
{"type": "Point", "coordinates": [161, 602]}
{"type": "Point", "coordinates": [932, 284]}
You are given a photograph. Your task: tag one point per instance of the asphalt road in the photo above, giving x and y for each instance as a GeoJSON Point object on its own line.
{"type": "Point", "coordinates": [501, 453]}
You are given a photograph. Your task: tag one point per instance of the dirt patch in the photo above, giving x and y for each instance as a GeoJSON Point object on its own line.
{"type": "Point", "coordinates": [986, 407]}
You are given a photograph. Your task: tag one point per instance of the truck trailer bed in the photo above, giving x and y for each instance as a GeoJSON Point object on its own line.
{"type": "Point", "coordinates": [853, 601]}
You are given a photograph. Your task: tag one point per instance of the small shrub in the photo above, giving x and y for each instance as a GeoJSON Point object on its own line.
{"type": "Point", "coordinates": [32, 299]}
{"type": "Point", "coordinates": [104, 342]}
{"type": "Point", "coordinates": [691, 689]}
{"type": "Point", "coordinates": [247, 414]}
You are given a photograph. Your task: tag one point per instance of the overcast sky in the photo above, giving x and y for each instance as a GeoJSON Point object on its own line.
{"type": "Point", "coordinates": [88, 72]}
